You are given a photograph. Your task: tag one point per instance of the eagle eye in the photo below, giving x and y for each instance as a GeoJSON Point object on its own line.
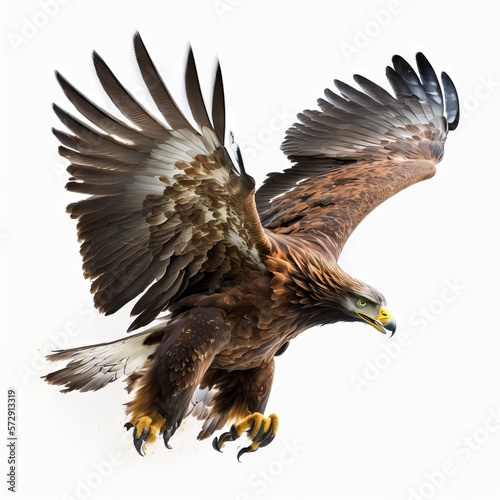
{"type": "Point", "coordinates": [361, 303]}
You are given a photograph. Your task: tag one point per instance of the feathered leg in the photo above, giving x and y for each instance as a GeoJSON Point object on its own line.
{"type": "Point", "coordinates": [241, 396]}
{"type": "Point", "coordinates": [164, 392]}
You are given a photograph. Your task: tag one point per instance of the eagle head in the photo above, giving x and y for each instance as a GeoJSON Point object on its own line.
{"type": "Point", "coordinates": [368, 305]}
{"type": "Point", "coordinates": [328, 294]}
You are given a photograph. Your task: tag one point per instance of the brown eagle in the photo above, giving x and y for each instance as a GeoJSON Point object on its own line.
{"type": "Point", "coordinates": [230, 274]}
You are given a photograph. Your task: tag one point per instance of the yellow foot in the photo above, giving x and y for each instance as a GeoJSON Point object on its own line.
{"type": "Point", "coordinates": [146, 430]}
{"type": "Point", "coordinates": [260, 430]}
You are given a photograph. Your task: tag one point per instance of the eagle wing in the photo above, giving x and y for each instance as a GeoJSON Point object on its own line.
{"type": "Point", "coordinates": [359, 149]}
{"type": "Point", "coordinates": [167, 205]}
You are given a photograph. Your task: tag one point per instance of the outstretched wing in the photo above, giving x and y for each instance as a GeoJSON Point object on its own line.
{"type": "Point", "coordinates": [359, 149]}
{"type": "Point", "coordinates": [167, 205]}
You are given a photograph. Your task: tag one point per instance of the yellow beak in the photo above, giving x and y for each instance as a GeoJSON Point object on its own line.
{"type": "Point", "coordinates": [384, 321]}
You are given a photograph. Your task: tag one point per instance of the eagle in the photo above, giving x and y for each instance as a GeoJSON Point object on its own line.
{"type": "Point", "coordinates": [225, 275]}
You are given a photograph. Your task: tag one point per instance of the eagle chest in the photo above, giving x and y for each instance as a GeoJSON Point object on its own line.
{"type": "Point", "coordinates": [257, 330]}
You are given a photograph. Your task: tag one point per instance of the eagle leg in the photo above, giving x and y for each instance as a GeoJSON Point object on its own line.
{"type": "Point", "coordinates": [145, 431]}
{"type": "Point", "coordinates": [165, 389]}
{"type": "Point", "coordinates": [260, 430]}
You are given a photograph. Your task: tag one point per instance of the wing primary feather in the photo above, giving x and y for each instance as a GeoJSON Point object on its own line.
{"type": "Point", "coordinates": [410, 77]}
{"type": "Point", "coordinates": [429, 80]}
{"type": "Point", "coordinates": [91, 135]}
{"type": "Point", "coordinates": [218, 106]}
{"type": "Point", "coordinates": [86, 140]}
{"type": "Point", "coordinates": [143, 227]}
{"type": "Point", "coordinates": [194, 95]}
{"type": "Point", "coordinates": [365, 125]}
{"type": "Point", "coordinates": [397, 83]}
{"type": "Point", "coordinates": [101, 118]}
{"type": "Point", "coordinates": [356, 96]}
{"type": "Point", "coordinates": [90, 160]}
{"type": "Point", "coordinates": [157, 88]}
{"type": "Point", "coordinates": [67, 140]}
{"type": "Point", "coordinates": [451, 99]}
{"type": "Point", "coordinates": [376, 92]}
{"type": "Point", "coordinates": [126, 103]}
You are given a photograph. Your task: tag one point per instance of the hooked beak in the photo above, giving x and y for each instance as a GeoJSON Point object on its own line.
{"type": "Point", "coordinates": [384, 322]}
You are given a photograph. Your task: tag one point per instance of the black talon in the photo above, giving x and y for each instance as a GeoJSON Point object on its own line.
{"type": "Point", "coordinates": [168, 433]}
{"type": "Point", "coordinates": [248, 449]}
{"type": "Point", "coordinates": [260, 432]}
{"type": "Point", "coordinates": [257, 430]}
{"type": "Point", "coordinates": [166, 438]}
{"type": "Point", "coordinates": [215, 444]}
{"type": "Point", "coordinates": [138, 442]}
{"type": "Point", "coordinates": [234, 433]}
{"type": "Point", "coordinates": [128, 426]}
{"type": "Point", "coordinates": [218, 442]}
{"type": "Point", "coordinates": [268, 439]}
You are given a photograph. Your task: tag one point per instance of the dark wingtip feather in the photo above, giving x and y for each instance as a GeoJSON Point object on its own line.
{"type": "Point", "coordinates": [426, 87]}
{"type": "Point", "coordinates": [376, 92]}
{"type": "Point", "coordinates": [60, 113]}
{"type": "Point", "coordinates": [137, 36]}
{"type": "Point", "coordinates": [451, 99]}
{"type": "Point", "coordinates": [96, 57]}
{"type": "Point", "coordinates": [397, 83]}
{"type": "Point", "coordinates": [59, 77]}
{"type": "Point", "coordinates": [66, 139]}
{"type": "Point", "coordinates": [126, 102]}
{"type": "Point", "coordinates": [193, 92]}
{"type": "Point", "coordinates": [429, 79]}
{"type": "Point", "coordinates": [218, 106]}
{"type": "Point", "coordinates": [63, 82]}
{"type": "Point", "coordinates": [138, 42]}
{"type": "Point", "coordinates": [99, 64]}
{"type": "Point", "coordinates": [407, 73]}
{"type": "Point", "coordinates": [157, 88]}
{"type": "Point", "coordinates": [140, 46]}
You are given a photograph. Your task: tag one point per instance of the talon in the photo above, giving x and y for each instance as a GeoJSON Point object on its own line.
{"type": "Point", "coordinates": [139, 441]}
{"type": "Point", "coordinates": [145, 431]}
{"type": "Point", "coordinates": [165, 440]}
{"type": "Point", "coordinates": [141, 434]}
{"type": "Point", "coordinates": [215, 444]}
{"type": "Point", "coordinates": [260, 430]}
{"type": "Point", "coordinates": [268, 439]}
{"type": "Point", "coordinates": [232, 435]}
{"type": "Point", "coordinates": [249, 449]}
{"type": "Point", "coordinates": [167, 434]}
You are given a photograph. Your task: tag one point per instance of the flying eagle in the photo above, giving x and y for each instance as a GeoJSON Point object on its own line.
{"type": "Point", "coordinates": [230, 274]}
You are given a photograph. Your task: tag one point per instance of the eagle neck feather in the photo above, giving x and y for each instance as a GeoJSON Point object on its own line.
{"type": "Point", "coordinates": [308, 281]}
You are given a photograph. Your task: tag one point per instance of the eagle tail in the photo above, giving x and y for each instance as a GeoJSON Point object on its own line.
{"type": "Point", "coordinates": [92, 367]}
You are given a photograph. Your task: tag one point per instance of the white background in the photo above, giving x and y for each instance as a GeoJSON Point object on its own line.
{"type": "Point", "coordinates": [433, 252]}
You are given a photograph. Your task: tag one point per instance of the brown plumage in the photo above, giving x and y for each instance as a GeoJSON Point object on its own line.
{"type": "Point", "coordinates": [173, 220]}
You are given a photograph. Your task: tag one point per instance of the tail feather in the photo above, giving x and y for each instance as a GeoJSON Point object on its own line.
{"type": "Point", "coordinates": [90, 368]}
